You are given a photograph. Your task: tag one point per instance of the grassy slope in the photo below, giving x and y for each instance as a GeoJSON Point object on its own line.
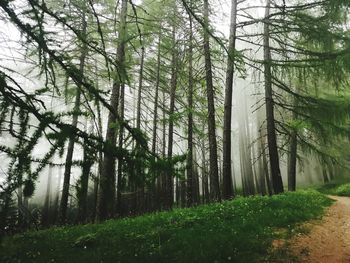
{"type": "Point", "coordinates": [236, 231]}
{"type": "Point", "coordinates": [339, 187]}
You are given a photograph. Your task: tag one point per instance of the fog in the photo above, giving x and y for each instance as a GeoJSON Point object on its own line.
{"type": "Point", "coordinates": [248, 110]}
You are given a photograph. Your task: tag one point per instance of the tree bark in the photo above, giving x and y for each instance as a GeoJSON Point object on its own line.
{"type": "Point", "coordinates": [161, 183]}
{"type": "Point", "coordinates": [196, 193]}
{"type": "Point", "coordinates": [213, 154]}
{"type": "Point", "coordinates": [292, 160]}
{"type": "Point", "coordinates": [205, 183]}
{"type": "Point", "coordinates": [169, 174]}
{"type": "Point", "coordinates": [270, 116]}
{"type": "Point", "coordinates": [189, 168]}
{"type": "Point", "coordinates": [120, 145]}
{"type": "Point", "coordinates": [139, 92]}
{"type": "Point", "coordinates": [227, 144]}
{"type": "Point", "coordinates": [155, 109]}
{"type": "Point", "coordinates": [292, 164]}
{"type": "Point", "coordinates": [82, 190]}
{"type": "Point", "coordinates": [70, 149]}
{"type": "Point", "coordinates": [100, 160]}
{"type": "Point", "coordinates": [139, 199]}
{"type": "Point", "coordinates": [155, 188]}
{"type": "Point", "coordinates": [107, 181]}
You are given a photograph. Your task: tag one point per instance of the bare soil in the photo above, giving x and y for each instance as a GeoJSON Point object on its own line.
{"type": "Point", "coordinates": [328, 240]}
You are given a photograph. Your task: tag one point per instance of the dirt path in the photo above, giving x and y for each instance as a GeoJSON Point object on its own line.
{"type": "Point", "coordinates": [328, 241]}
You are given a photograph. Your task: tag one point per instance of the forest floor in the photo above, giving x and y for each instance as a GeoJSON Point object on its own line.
{"type": "Point", "coordinates": [329, 239]}
{"type": "Point", "coordinates": [241, 230]}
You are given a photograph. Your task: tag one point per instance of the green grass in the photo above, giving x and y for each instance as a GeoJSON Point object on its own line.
{"type": "Point", "coordinates": [339, 187]}
{"type": "Point", "coordinates": [235, 231]}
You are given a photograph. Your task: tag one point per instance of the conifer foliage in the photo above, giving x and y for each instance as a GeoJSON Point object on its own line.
{"type": "Point", "coordinates": [127, 107]}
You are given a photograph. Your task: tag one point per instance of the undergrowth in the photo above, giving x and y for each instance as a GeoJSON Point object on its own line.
{"type": "Point", "coordinates": [339, 187]}
{"type": "Point", "coordinates": [234, 231]}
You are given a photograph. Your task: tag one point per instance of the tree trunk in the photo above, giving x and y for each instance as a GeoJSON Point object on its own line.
{"type": "Point", "coordinates": [227, 144]}
{"type": "Point", "coordinates": [292, 164]}
{"type": "Point", "coordinates": [120, 145]}
{"type": "Point", "coordinates": [292, 160]}
{"type": "Point", "coordinates": [155, 189]}
{"type": "Point", "coordinates": [100, 160]}
{"type": "Point", "coordinates": [205, 183]}
{"type": "Point", "coordinates": [266, 169]}
{"type": "Point", "coordinates": [45, 220]}
{"type": "Point", "coordinates": [107, 181]}
{"type": "Point", "coordinates": [139, 92]}
{"type": "Point", "coordinates": [189, 168]}
{"type": "Point", "coordinates": [262, 151]}
{"type": "Point", "coordinates": [162, 177]}
{"type": "Point", "coordinates": [325, 175]}
{"type": "Point", "coordinates": [57, 197]}
{"type": "Point", "coordinates": [139, 199]}
{"type": "Point", "coordinates": [196, 193]}
{"type": "Point", "coordinates": [169, 175]}
{"type": "Point", "coordinates": [245, 152]}
{"type": "Point", "coordinates": [260, 168]}
{"type": "Point", "coordinates": [270, 116]}
{"type": "Point", "coordinates": [155, 109]}
{"type": "Point", "coordinates": [213, 155]}
{"type": "Point", "coordinates": [82, 187]}
{"type": "Point", "coordinates": [70, 149]}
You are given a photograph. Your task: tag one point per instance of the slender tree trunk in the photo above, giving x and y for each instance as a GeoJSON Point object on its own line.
{"type": "Point", "coordinates": [57, 197]}
{"type": "Point", "coordinates": [270, 116]}
{"type": "Point", "coordinates": [183, 193]}
{"type": "Point", "coordinates": [262, 151]}
{"type": "Point", "coordinates": [162, 178]}
{"type": "Point", "coordinates": [139, 92]}
{"type": "Point", "coordinates": [331, 172]}
{"type": "Point", "coordinates": [266, 168]}
{"type": "Point", "coordinates": [100, 161]}
{"type": "Point", "coordinates": [160, 181]}
{"type": "Point", "coordinates": [156, 95]}
{"type": "Point", "coordinates": [70, 149]}
{"type": "Point", "coordinates": [169, 175]}
{"type": "Point", "coordinates": [155, 190]}
{"type": "Point", "coordinates": [227, 144]}
{"type": "Point", "coordinates": [213, 154]}
{"type": "Point", "coordinates": [245, 152]}
{"type": "Point", "coordinates": [107, 181]}
{"type": "Point", "coordinates": [292, 158]}
{"type": "Point", "coordinates": [292, 165]}
{"type": "Point", "coordinates": [325, 175]}
{"type": "Point", "coordinates": [261, 169]}
{"type": "Point", "coordinates": [247, 142]}
{"type": "Point", "coordinates": [45, 220]}
{"type": "Point", "coordinates": [190, 182]}
{"type": "Point", "coordinates": [21, 219]}
{"type": "Point", "coordinates": [82, 190]}
{"type": "Point", "coordinates": [120, 145]}
{"type": "Point", "coordinates": [196, 199]}
{"type": "Point", "coordinates": [83, 183]}
{"type": "Point", "coordinates": [177, 192]}
{"type": "Point", "coordinates": [139, 197]}
{"type": "Point", "coordinates": [68, 163]}
{"type": "Point", "coordinates": [205, 182]}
